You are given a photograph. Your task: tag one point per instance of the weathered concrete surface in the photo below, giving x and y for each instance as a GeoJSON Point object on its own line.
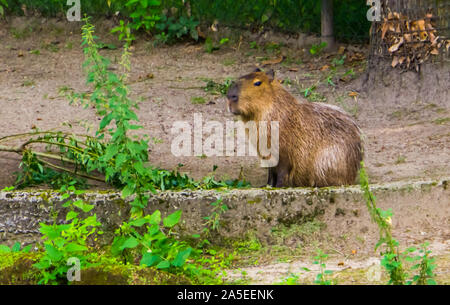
{"type": "Point", "coordinates": [421, 210]}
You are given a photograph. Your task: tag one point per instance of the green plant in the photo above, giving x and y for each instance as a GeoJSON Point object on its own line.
{"type": "Point", "coordinates": [213, 87]}
{"type": "Point", "coordinates": [21, 33]}
{"type": "Point", "coordinates": [16, 248]}
{"type": "Point", "coordinates": [3, 4]}
{"type": "Point", "coordinates": [64, 241]}
{"type": "Point", "coordinates": [311, 94]}
{"type": "Point", "coordinates": [393, 259]}
{"type": "Point", "coordinates": [121, 159]}
{"type": "Point", "coordinates": [213, 220]}
{"type": "Point", "coordinates": [28, 83]}
{"type": "Point", "coordinates": [254, 45]}
{"type": "Point", "coordinates": [211, 46]}
{"type": "Point", "coordinates": [144, 13]}
{"type": "Point", "coordinates": [400, 159]}
{"type": "Point", "coordinates": [198, 100]}
{"type": "Point", "coordinates": [292, 279]}
{"type": "Point", "coordinates": [425, 265]}
{"type": "Point", "coordinates": [322, 277]}
{"type": "Point", "coordinates": [316, 49]}
{"type": "Point", "coordinates": [338, 61]}
{"type": "Point", "coordinates": [35, 52]}
{"type": "Point", "coordinates": [155, 247]}
{"type": "Point", "coordinates": [172, 28]}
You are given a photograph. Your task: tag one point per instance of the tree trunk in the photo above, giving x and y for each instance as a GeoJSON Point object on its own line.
{"type": "Point", "coordinates": [327, 24]}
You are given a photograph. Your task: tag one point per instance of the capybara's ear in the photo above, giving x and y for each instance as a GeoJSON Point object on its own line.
{"type": "Point", "coordinates": [271, 74]}
{"type": "Point", "coordinates": [257, 70]}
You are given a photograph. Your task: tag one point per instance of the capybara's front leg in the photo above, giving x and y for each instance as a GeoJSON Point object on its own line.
{"type": "Point", "coordinates": [272, 179]}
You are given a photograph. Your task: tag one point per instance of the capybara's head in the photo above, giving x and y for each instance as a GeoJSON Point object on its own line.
{"type": "Point", "coordinates": [246, 96]}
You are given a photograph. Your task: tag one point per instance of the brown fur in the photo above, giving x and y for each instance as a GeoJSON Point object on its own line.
{"type": "Point", "coordinates": [319, 144]}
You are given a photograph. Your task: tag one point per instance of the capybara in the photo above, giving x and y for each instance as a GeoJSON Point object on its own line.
{"type": "Point", "coordinates": [319, 144]}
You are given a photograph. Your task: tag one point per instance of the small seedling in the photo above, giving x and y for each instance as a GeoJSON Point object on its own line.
{"type": "Point", "coordinates": [198, 100]}
{"type": "Point", "coordinates": [316, 49]}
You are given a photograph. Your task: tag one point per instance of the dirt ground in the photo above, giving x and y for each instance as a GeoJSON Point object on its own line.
{"type": "Point", "coordinates": [405, 122]}
{"type": "Point", "coordinates": [406, 137]}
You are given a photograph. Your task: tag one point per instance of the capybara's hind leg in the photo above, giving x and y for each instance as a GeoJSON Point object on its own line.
{"type": "Point", "coordinates": [282, 176]}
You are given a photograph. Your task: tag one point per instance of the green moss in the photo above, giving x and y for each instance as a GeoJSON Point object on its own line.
{"type": "Point", "coordinates": [441, 121]}
{"type": "Point", "coordinates": [198, 100]}
{"type": "Point", "coordinates": [17, 269]}
{"type": "Point", "coordinates": [255, 200]}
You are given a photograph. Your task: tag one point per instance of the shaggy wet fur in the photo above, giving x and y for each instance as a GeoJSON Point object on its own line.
{"type": "Point", "coordinates": [319, 145]}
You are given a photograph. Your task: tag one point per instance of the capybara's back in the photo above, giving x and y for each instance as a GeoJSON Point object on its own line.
{"type": "Point", "coordinates": [319, 144]}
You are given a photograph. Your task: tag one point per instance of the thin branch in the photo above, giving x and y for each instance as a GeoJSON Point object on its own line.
{"type": "Point", "coordinates": [70, 171]}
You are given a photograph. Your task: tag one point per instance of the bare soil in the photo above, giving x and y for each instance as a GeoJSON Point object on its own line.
{"type": "Point", "coordinates": [405, 118]}
{"type": "Point", "coordinates": [406, 137]}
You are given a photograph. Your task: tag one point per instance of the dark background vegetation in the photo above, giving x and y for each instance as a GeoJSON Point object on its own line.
{"type": "Point", "coordinates": [350, 23]}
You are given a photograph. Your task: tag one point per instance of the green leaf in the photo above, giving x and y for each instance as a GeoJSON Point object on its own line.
{"type": "Point", "coordinates": [4, 249]}
{"type": "Point", "coordinates": [26, 249]}
{"type": "Point", "coordinates": [155, 219]}
{"type": "Point", "coordinates": [181, 258]}
{"type": "Point", "coordinates": [138, 222]}
{"type": "Point", "coordinates": [130, 243]}
{"type": "Point", "coordinates": [172, 219]}
{"type": "Point", "coordinates": [105, 121]}
{"type": "Point", "coordinates": [15, 247]}
{"type": "Point", "coordinates": [73, 247]}
{"type": "Point", "coordinates": [149, 259]}
{"type": "Point", "coordinates": [116, 247]}
{"type": "Point", "coordinates": [53, 253]}
{"type": "Point", "coordinates": [163, 265]}
{"type": "Point", "coordinates": [128, 190]}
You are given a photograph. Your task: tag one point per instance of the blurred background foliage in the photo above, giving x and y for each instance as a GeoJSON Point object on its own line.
{"type": "Point", "coordinates": [289, 16]}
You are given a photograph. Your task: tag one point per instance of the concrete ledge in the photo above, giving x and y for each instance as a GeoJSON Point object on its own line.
{"type": "Point", "coordinates": [342, 209]}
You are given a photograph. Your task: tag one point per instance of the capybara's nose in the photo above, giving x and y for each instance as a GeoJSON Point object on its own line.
{"type": "Point", "coordinates": [232, 93]}
{"type": "Point", "coordinates": [233, 98]}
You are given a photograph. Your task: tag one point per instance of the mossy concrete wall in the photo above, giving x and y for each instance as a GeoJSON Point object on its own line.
{"type": "Point", "coordinates": [418, 207]}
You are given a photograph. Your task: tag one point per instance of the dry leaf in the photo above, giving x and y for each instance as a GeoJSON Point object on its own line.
{"type": "Point", "coordinates": [397, 45]}
{"type": "Point", "coordinates": [435, 51]}
{"type": "Point", "coordinates": [353, 94]}
{"type": "Point", "coordinates": [407, 37]}
{"type": "Point", "coordinates": [325, 67]}
{"type": "Point", "coordinates": [341, 50]}
{"type": "Point", "coordinates": [394, 62]}
{"type": "Point", "coordinates": [384, 29]}
{"type": "Point", "coordinates": [273, 61]}
{"type": "Point", "coordinates": [214, 26]}
{"type": "Point", "coordinates": [200, 33]}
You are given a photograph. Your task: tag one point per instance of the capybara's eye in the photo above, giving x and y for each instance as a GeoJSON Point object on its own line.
{"type": "Point", "coordinates": [258, 83]}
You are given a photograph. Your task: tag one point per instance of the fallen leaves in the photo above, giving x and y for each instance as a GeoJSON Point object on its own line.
{"type": "Point", "coordinates": [411, 42]}
{"type": "Point", "coordinates": [353, 94]}
{"type": "Point", "coordinates": [273, 61]}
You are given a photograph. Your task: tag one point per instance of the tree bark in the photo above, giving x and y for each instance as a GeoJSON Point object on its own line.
{"type": "Point", "coordinates": [327, 34]}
